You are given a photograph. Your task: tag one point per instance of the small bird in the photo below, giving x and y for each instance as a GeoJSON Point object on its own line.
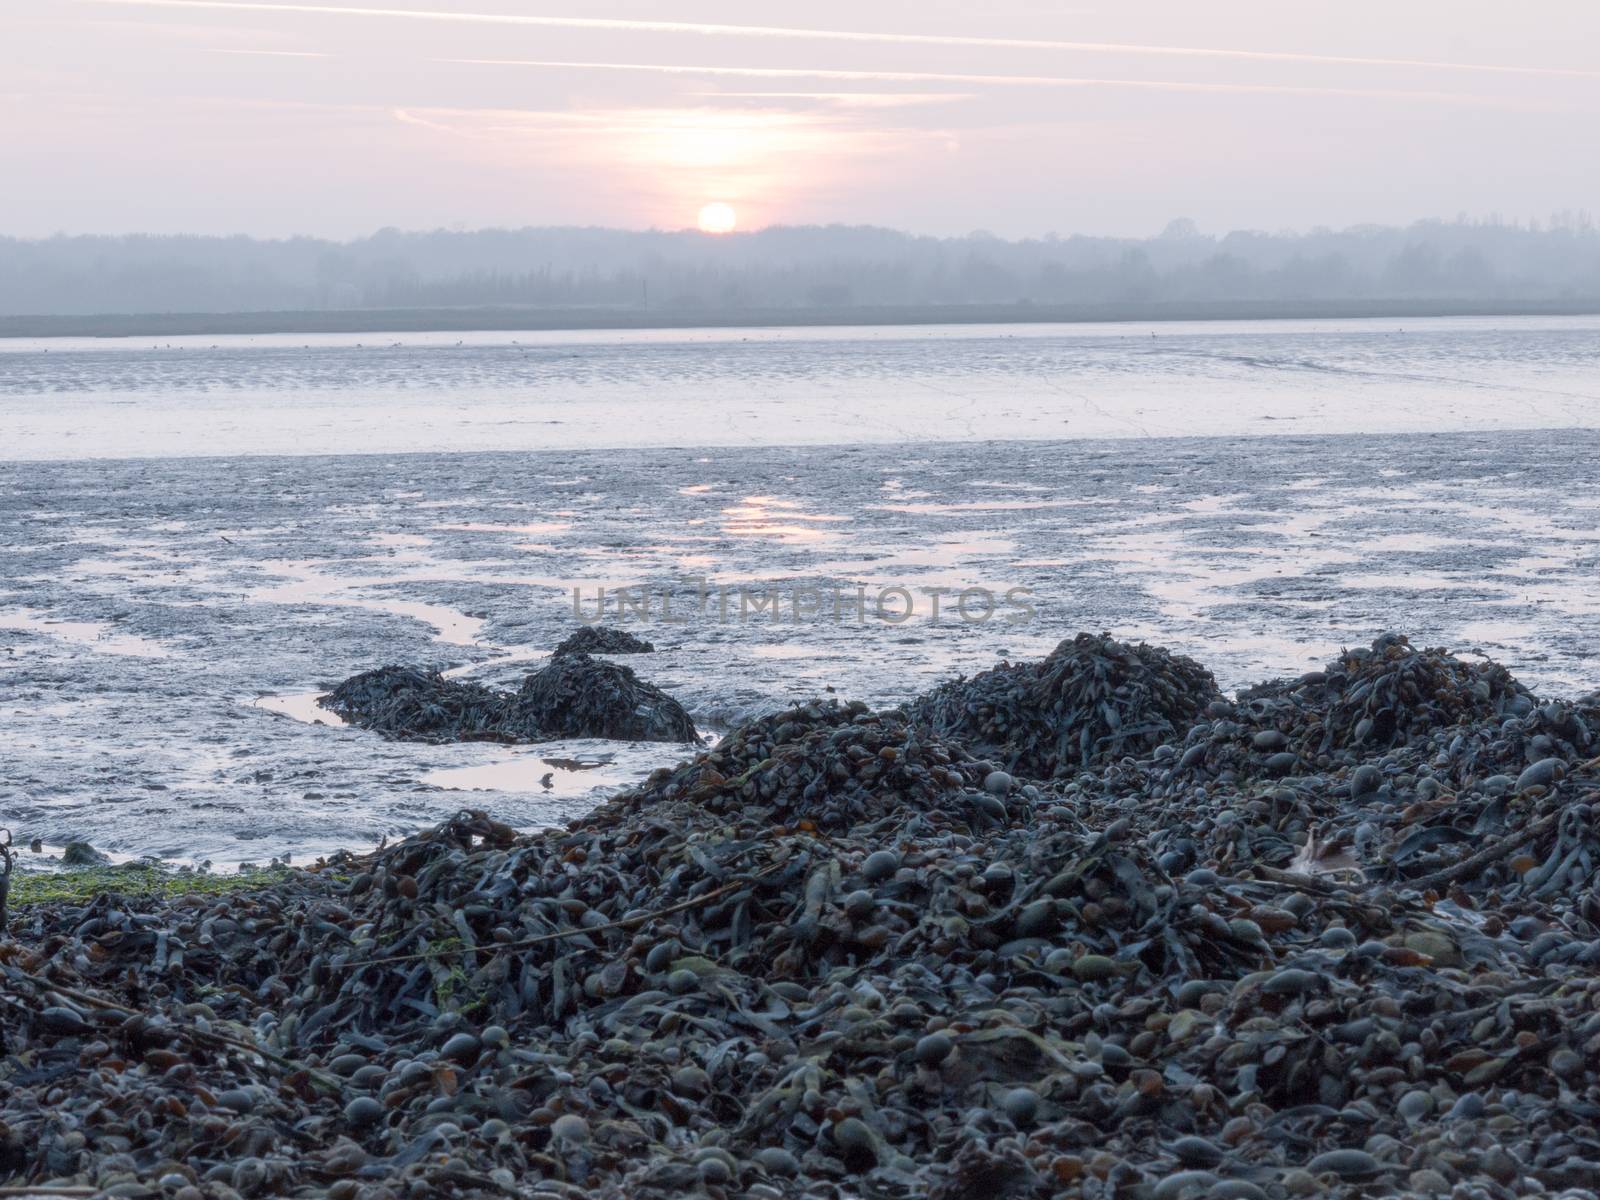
{"type": "Point", "coordinates": [548, 781]}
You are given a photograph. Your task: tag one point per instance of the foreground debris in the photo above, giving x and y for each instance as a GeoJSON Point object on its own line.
{"type": "Point", "coordinates": [602, 639]}
{"type": "Point", "coordinates": [1091, 702]}
{"type": "Point", "coordinates": [1338, 937]}
{"type": "Point", "coordinates": [573, 696]}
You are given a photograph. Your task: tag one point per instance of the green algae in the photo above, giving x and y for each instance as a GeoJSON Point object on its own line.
{"type": "Point", "coordinates": [79, 884]}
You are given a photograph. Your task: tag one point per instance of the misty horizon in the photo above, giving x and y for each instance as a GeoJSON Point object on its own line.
{"type": "Point", "coordinates": [794, 267]}
{"type": "Point", "coordinates": [1571, 217]}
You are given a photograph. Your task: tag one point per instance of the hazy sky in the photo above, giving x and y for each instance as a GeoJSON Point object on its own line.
{"type": "Point", "coordinates": [1016, 116]}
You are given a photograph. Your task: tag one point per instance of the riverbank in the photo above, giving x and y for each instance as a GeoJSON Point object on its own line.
{"type": "Point", "coordinates": [513, 320]}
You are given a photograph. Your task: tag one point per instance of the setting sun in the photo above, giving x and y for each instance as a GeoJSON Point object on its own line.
{"type": "Point", "coordinates": [718, 218]}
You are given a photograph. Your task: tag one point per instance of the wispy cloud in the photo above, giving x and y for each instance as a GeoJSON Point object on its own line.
{"type": "Point", "coordinates": [269, 53]}
{"type": "Point", "coordinates": [844, 99]}
{"type": "Point", "coordinates": [1053, 81]}
{"type": "Point", "coordinates": [843, 35]}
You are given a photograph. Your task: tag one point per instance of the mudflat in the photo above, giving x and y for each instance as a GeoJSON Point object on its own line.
{"type": "Point", "coordinates": [168, 624]}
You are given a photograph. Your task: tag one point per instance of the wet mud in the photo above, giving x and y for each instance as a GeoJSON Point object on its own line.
{"type": "Point", "coordinates": [165, 626]}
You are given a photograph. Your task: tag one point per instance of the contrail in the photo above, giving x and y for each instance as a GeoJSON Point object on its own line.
{"type": "Point", "coordinates": [1160, 85]}
{"type": "Point", "coordinates": [841, 35]}
{"type": "Point", "coordinates": [270, 53]}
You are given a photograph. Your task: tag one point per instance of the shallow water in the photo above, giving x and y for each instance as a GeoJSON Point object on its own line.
{"type": "Point", "coordinates": [68, 398]}
{"type": "Point", "coordinates": [182, 578]}
{"type": "Point", "coordinates": [165, 625]}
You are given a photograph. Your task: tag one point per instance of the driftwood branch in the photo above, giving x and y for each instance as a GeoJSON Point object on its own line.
{"type": "Point", "coordinates": [1494, 850]}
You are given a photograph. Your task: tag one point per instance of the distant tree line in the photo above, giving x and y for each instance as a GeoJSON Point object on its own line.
{"type": "Point", "coordinates": [794, 267]}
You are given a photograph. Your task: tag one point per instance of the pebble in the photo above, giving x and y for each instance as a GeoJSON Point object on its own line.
{"type": "Point", "coordinates": [1094, 967]}
{"type": "Point", "coordinates": [1348, 1164]}
{"type": "Point", "coordinates": [347, 1064]}
{"type": "Point", "coordinates": [1235, 1189]}
{"type": "Point", "coordinates": [715, 1172]}
{"type": "Point", "coordinates": [1037, 919]}
{"type": "Point", "coordinates": [854, 1136]}
{"type": "Point", "coordinates": [1021, 1105]}
{"type": "Point", "coordinates": [1291, 981]}
{"type": "Point", "coordinates": [1281, 763]}
{"type": "Point", "coordinates": [1365, 780]}
{"type": "Point", "coordinates": [775, 1160]}
{"type": "Point", "coordinates": [1541, 774]}
{"type": "Point", "coordinates": [1196, 1152]}
{"type": "Point", "coordinates": [240, 1100]}
{"type": "Point", "coordinates": [682, 981]}
{"type": "Point", "coordinates": [1415, 1105]}
{"type": "Point", "coordinates": [363, 1111]}
{"type": "Point", "coordinates": [570, 1129]}
{"type": "Point", "coordinates": [933, 1049]}
{"type": "Point", "coordinates": [1428, 1182]}
{"type": "Point", "coordinates": [64, 1022]}
{"type": "Point", "coordinates": [879, 866]}
{"type": "Point", "coordinates": [858, 905]}
{"type": "Point", "coordinates": [1468, 1107]}
{"type": "Point", "coordinates": [1184, 1185]}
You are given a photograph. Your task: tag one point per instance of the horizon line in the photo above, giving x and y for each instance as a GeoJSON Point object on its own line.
{"type": "Point", "coordinates": [1492, 221]}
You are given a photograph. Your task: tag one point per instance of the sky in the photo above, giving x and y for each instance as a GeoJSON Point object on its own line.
{"type": "Point", "coordinates": [1019, 117]}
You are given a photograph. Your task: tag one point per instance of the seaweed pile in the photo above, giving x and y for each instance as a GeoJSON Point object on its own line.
{"type": "Point", "coordinates": [573, 696]}
{"type": "Point", "coordinates": [1092, 701]}
{"type": "Point", "coordinates": [579, 696]}
{"type": "Point", "coordinates": [842, 954]}
{"type": "Point", "coordinates": [602, 639]}
{"type": "Point", "coordinates": [1376, 764]}
{"type": "Point", "coordinates": [834, 766]}
{"type": "Point", "coordinates": [419, 704]}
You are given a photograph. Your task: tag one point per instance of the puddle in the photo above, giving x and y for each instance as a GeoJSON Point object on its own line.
{"type": "Point", "coordinates": [782, 521]}
{"type": "Point", "coordinates": [454, 628]}
{"type": "Point", "coordinates": [557, 770]}
{"type": "Point", "coordinates": [534, 770]}
{"type": "Point", "coordinates": [933, 509]}
{"type": "Point", "coordinates": [782, 651]}
{"type": "Point", "coordinates": [302, 706]}
{"type": "Point", "coordinates": [485, 527]}
{"type": "Point", "coordinates": [308, 585]}
{"type": "Point", "coordinates": [399, 539]}
{"type": "Point", "coordinates": [97, 636]}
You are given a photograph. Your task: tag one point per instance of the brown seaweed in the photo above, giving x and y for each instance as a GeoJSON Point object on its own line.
{"type": "Point", "coordinates": [841, 954]}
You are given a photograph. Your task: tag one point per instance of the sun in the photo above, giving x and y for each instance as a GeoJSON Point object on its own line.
{"type": "Point", "coordinates": [718, 217]}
